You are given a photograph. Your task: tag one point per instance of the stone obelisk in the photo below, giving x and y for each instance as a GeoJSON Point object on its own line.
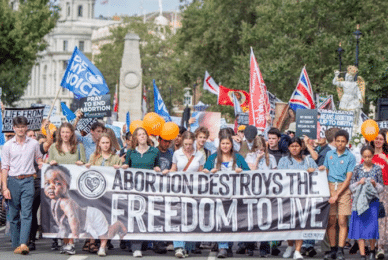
{"type": "Point", "coordinates": [130, 95]}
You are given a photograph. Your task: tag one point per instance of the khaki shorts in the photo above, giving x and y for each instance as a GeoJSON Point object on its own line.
{"type": "Point", "coordinates": [343, 205]}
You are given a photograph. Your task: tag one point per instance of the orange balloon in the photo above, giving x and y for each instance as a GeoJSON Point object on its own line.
{"type": "Point", "coordinates": [370, 130]}
{"type": "Point", "coordinates": [135, 124]}
{"type": "Point", "coordinates": [169, 131]}
{"type": "Point", "coordinates": [153, 123]}
{"type": "Point", "coordinates": [52, 129]}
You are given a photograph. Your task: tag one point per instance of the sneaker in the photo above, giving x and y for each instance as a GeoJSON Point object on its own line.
{"type": "Point", "coordinates": [101, 252]}
{"type": "Point", "coordinates": [31, 246]}
{"type": "Point", "coordinates": [288, 252]}
{"type": "Point", "coordinates": [298, 255]}
{"type": "Point", "coordinates": [109, 245]}
{"type": "Point", "coordinates": [179, 253]}
{"type": "Point", "coordinates": [241, 250]}
{"type": "Point", "coordinates": [340, 255]}
{"type": "Point", "coordinates": [329, 255]}
{"type": "Point", "coordinates": [249, 252]}
{"type": "Point", "coordinates": [229, 252]}
{"type": "Point", "coordinates": [55, 246]}
{"type": "Point", "coordinates": [170, 247]}
{"type": "Point", "coordinates": [123, 244]}
{"type": "Point", "coordinates": [380, 254]}
{"type": "Point", "coordinates": [69, 249]}
{"type": "Point", "coordinates": [275, 251]}
{"type": "Point", "coordinates": [311, 252]}
{"type": "Point", "coordinates": [222, 253]}
{"type": "Point", "coordinates": [137, 253]}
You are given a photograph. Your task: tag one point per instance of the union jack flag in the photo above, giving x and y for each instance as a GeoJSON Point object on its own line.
{"type": "Point", "coordinates": [302, 97]}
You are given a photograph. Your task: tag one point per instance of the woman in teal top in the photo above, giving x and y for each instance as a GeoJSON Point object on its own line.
{"type": "Point", "coordinates": [141, 156]}
{"type": "Point", "coordinates": [226, 160]}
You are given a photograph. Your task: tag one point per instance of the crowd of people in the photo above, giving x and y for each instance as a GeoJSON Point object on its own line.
{"type": "Point", "coordinates": [358, 191]}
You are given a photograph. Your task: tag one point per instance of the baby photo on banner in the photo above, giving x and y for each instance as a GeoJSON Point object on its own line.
{"type": "Point", "coordinates": [105, 203]}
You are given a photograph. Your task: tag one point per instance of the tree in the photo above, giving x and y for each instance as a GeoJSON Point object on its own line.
{"type": "Point", "coordinates": [21, 39]}
{"type": "Point", "coordinates": [216, 35]}
{"type": "Point", "coordinates": [158, 60]}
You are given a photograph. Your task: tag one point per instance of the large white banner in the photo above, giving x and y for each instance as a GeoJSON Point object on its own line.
{"type": "Point", "coordinates": [102, 202]}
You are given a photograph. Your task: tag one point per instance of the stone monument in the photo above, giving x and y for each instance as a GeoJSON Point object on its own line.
{"type": "Point", "coordinates": [351, 93]}
{"type": "Point", "coordinates": [130, 91]}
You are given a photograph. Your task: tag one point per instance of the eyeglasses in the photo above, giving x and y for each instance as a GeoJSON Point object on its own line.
{"type": "Point", "coordinates": [167, 141]}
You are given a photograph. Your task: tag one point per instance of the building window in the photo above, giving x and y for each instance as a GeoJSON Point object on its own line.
{"type": "Point", "coordinates": [68, 9]}
{"type": "Point", "coordinates": [65, 62]}
{"type": "Point", "coordinates": [80, 10]}
{"type": "Point", "coordinates": [65, 45]}
{"type": "Point", "coordinates": [81, 46]}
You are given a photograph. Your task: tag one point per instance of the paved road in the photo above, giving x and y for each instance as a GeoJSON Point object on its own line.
{"type": "Point", "coordinates": [43, 252]}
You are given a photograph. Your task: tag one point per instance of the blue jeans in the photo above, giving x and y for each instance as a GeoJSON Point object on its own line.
{"type": "Point", "coordinates": [20, 209]}
{"type": "Point", "coordinates": [184, 245]}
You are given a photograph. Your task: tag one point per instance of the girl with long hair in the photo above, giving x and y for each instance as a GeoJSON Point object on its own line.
{"type": "Point", "coordinates": [364, 225]}
{"type": "Point", "coordinates": [260, 159]}
{"type": "Point", "coordinates": [296, 161]}
{"type": "Point", "coordinates": [66, 151]}
{"type": "Point", "coordinates": [380, 146]}
{"type": "Point", "coordinates": [141, 156]}
{"type": "Point", "coordinates": [103, 156]}
{"type": "Point", "coordinates": [226, 159]}
{"type": "Point", "coordinates": [186, 159]}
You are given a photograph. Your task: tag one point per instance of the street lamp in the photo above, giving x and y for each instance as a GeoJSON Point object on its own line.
{"type": "Point", "coordinates": [340, 51]}
{"type": "Point", "coordinates": [357, 34]}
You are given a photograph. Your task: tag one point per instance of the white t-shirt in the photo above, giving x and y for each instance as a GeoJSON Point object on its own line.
{"type": "Point", "coordinates": [181, 160]}
{"type": "Point", "coordinates": [251, 159]}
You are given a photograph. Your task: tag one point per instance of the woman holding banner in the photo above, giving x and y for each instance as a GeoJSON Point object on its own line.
{"type": "Point", "coordinates": [103, 156]}
{"type": "Point", "coordinates": [66, 150]}
{"type": "Point", "coordinates": [296, 161]}
{"type": "Point", "coordinates": [141, 156]}
{"type": "Point", "coordinates": [380, 158]}
{"type": "Point", "coordinates": [260, 159]}
{"type": "Point", "coordinates": [227, 160]}
{"type": "Point", "coordinates": [186, 159]}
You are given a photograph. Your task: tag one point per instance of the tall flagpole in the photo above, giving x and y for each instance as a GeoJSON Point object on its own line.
{"type": "Point", "coordinates": [52, 106]}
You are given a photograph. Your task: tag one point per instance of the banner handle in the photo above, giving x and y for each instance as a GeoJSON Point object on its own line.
{"type": "Point", "coordinates": [52, 106]}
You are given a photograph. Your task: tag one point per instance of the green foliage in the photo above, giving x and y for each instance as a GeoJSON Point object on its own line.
{"type": "Point", "coordinates": [21, 39]}
{"type": "Point", "coordinates": [216, 35]}
{"type": "Point", "coordinates": [158, 60]}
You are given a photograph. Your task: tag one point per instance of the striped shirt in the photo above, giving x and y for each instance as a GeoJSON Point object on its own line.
{"type": "Point", "coordinates": [18, 158]}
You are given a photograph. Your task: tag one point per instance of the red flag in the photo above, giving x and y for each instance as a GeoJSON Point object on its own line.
{"type": "Point", "coordinates": [259, 105]}
{"type": "Point", "coordinates": [225, 96]}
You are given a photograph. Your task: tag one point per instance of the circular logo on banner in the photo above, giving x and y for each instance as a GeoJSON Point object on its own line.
{"type": "Point", "coordinates": [91, 184]}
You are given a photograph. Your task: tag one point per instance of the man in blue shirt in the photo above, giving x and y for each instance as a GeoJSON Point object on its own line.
{"type": "Point", "coordinates": [339, 165]}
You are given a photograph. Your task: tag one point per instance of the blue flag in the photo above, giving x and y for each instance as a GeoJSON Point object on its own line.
{"type": "Point", "coordinates": [70, 116]}
{"type": "Point", "coordinates": [160, 107]}
{"type": "Point", "coordinates": [128, 121]}
{"type": "Point", "coordinates": [83, 78]}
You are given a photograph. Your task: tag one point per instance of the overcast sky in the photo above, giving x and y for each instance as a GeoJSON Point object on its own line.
{"type": "Point", "coordinates": [132, 7]}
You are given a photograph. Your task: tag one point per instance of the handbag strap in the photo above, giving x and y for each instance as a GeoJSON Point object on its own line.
{"type": "Point", "coordinates": [188, 163]}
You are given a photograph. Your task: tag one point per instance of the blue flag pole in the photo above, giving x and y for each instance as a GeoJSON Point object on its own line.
{"type": "Point", "coordinates": [128, 121]}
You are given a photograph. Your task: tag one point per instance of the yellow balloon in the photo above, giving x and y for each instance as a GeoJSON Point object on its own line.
{"type": "Point", "coordinates": [370, 130]}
